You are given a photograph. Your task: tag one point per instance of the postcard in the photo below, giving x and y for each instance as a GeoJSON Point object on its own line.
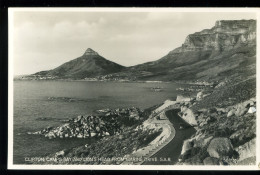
{"type": "Point", "coordinates": [133, 88]}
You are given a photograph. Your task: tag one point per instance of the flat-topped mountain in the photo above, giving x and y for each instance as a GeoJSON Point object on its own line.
{"type": "Point", "coordinates": [227, 49]}
{"type": "Point", "coordinates": [225, 35]}
{"type": "Point", "coordinates": [89, 65]}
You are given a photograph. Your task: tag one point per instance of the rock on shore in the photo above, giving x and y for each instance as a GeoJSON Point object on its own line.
{"type": "Point", "coordinates": [109, 122]}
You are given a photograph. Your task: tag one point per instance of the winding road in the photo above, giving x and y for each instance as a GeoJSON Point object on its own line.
{"type": "Point", "coordinates": [169, 154]}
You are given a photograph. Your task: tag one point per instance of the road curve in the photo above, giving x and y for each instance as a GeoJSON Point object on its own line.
{"type": "Point", "coordinates": [169, 154]}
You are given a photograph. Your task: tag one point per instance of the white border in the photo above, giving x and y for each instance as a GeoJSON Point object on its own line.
{"type": "Point", "coordinates": [119, 167]}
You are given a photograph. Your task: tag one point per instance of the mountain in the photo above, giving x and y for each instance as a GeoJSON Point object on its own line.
{"type": "Point", "coordinates": [226, 50]}
{"type": "Point", "coordinates": [89, 65]}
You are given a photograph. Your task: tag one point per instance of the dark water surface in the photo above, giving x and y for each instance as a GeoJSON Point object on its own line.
{"type": "Point", "coordinates": [35, 110]}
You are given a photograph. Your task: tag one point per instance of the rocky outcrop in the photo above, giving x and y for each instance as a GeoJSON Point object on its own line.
{"type": "Point", "coordinates": [220, 147]}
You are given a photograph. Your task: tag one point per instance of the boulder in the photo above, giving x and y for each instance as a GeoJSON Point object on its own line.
{"type": "Point", "coordinates": [201, 95]}
{"type": "Point", "coordinates": [79, 136]}
{"type": "Point", "coordinates": [93, 134]}
{"type": "Point", "coordinates": [240, 110]}
{"type": "Point", "coordinates": [220, 147]}
{"type": "Point", "coordinates": [247, 150]}
{"type": "Point", "coordinates": [252, 110]}
{"type": "Point", "coordinates": [60, 153]}
{"type": "Point", "coordinates": [231, 113]}
{"type": "Point", "coordinates": [189, 117]}
{"type": "Point", "coordinates": [187, 145]}
{"type": "Point", "coordinates": [211, 161]}
{"type": "Point", "coordinates": [182, 98]}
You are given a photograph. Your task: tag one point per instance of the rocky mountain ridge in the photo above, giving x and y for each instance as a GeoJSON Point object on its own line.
{"type": "Point", "coordinates": [228, 49]}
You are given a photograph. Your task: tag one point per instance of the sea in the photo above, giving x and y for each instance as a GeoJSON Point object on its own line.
{"type": "Point", "coordinates": [40, 104]}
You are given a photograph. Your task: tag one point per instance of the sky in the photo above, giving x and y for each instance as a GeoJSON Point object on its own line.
{"type": "Point", "coordinates": [44, 40]}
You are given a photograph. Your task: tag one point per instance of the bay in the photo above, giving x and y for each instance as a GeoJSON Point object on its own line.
{"type": "Point", "coordinates": [39, 104]}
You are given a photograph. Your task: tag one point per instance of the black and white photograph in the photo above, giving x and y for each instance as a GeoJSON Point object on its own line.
{"type": "Point", "coordinates": [142, 88]}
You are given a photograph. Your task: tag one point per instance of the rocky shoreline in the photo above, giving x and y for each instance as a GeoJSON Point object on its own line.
{"type": "Point", "coordinates": [108, 122]}
{"type": "Point", "coordinates": [142, 139]}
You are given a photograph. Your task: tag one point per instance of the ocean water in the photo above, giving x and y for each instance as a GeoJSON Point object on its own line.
{"type": "Point", "coordinates": [32, 102]}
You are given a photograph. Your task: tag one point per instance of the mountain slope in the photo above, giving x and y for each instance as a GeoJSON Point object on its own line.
{"type": "Point", "coordinates": [90, 64]}
{"type": "Point", "coordinates": [227, 49]}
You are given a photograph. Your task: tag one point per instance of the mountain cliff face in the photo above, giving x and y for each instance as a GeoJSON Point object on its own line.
{"type": "Point", "coordinates": [89, 65]}
{"type": "Point", "coordinates": [226, 50]}
{"type": "Point", "coordinates": [225, 35]}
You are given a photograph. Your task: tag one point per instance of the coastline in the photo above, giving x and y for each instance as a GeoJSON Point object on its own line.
{"type": "Point", "coordinates": [82, 80]}
{"type": "Point", "coordinates": [170, 135]}
{"type": "Point", "coordinates": [180, 82]}
{"type": "Point", "coordinates": [157, 148]}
